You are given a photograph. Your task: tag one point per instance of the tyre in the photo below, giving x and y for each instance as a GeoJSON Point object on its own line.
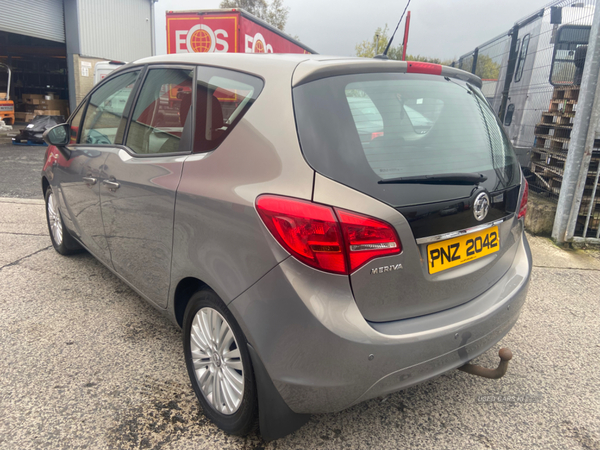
{"type": "Point", "coordinates": [62, 241]}
{"type": "Point", "coordinates": [218, 363]}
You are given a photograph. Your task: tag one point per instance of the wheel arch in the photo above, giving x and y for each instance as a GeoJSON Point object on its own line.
{"type": "Point", "coordinates": [45, 185]}
{"type": "Point", "coordinates": [275, 418]}
{"type": "Point", "coordinates": [183, 292]}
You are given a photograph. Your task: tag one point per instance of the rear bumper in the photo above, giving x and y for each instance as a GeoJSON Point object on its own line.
{"type": "Point", "coordinates": [323, 356]}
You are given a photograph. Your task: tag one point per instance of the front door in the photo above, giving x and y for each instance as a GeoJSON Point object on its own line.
{"type": "Point", "coordinates": [94, 129]}
{"type": "Point", "coordinates": [141, 179]}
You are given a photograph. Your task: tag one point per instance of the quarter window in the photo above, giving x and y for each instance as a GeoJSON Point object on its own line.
{"type": "Point", "coordinates": [162, 113]}
{"type": "Point", "coordinates": [222, 98]}
{"type": "Point", "coordinates": [102, 123]}
{"type": "Point", "coordinates": [76, 124]}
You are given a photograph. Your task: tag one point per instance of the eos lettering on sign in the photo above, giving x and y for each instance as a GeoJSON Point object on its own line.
{"type": "Point", "coordinates": [226, 31]}
{"type": "Point", "coordinates": [200, 39]}
{"type": "Point", "coordinates": [257, 44]}
{"type": "Point", "coordinates": [192, 33]}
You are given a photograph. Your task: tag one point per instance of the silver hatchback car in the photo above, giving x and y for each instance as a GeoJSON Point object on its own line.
{"type": "Point", "coordinates": [324, 230]}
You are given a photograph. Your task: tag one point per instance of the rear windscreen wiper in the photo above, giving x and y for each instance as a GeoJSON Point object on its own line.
{"type": "Point", "coordinates": [442, 178]}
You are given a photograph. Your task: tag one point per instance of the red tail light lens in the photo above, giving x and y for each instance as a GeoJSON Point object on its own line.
{"type": "Point", "coordinates": [310, 232]}
{"type": "Point", "coordinates": [314, 234]}
{"type": "Point", "coordinates": [523, 206]}
{"type": "Point", "coordinates": [367, 238]}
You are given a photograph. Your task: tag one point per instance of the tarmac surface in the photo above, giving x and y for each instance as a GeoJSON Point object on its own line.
{"type": "Point", "coordinates": [86, 363]}
{"type": "Point", "coordinates": [20, 167]}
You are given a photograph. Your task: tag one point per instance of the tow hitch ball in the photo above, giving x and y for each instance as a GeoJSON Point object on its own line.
{"type": "Point", "coordinates": [505, 356]}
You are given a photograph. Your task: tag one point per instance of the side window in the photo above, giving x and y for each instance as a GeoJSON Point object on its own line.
{"type": "Point", "coordinates": [76, 123]}
{"type": "Point", "coordinates": [222, 98]}
{"type": "Point", "coordinates": [162, 113]}
{"type": "Point", "coordinates": [509, 114]}
{"type": "Point", "coordinates": [570, 50]}
{"type": "Point", "coordinates": [102, 121]}
{"type": "Point", "coordinates": [522, 56]}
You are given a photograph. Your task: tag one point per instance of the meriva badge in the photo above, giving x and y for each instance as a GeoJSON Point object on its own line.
{"type": "Point", "coordinates": [384, 269]}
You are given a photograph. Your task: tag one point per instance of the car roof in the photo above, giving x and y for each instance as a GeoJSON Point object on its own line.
{"type": "Point", "coordinates": [306, 67]}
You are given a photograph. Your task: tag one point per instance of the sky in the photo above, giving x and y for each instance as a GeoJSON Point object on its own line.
{"type": "Point", "coordinates": [444, 29]}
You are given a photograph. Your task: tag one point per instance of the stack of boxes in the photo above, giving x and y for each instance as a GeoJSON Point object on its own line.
{"type": "Point", "coordinates": [41, 105]}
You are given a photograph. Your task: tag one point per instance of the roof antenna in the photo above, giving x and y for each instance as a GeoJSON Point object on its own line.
{"type": "Point", "coordinates": [384, 54]}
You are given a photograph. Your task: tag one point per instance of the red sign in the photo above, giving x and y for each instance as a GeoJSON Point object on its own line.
{"type": "Point", "coordinates": [231, 31]}
{"type": "Point", "coordinates": [191, 33]}
{"type": "Point", "coordinates": [258, 39]}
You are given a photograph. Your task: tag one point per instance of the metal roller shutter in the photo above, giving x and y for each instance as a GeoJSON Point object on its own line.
{"type": "Point", "coordinates": [38, 18]}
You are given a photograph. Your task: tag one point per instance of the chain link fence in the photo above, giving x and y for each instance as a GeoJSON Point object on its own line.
{"type": "Point", "coordinates": [532, 78]}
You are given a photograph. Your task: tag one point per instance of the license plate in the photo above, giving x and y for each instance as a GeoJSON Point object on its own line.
{"type": "Point", "coordinates": [454, 252]}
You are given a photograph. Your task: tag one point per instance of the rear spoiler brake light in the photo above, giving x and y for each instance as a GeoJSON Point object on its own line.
{"type": "Point", "coordinates": [423, 67]}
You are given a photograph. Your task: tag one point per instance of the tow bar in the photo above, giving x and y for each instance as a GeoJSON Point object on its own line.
{"type": "Point", "coordinates": [473, 369]}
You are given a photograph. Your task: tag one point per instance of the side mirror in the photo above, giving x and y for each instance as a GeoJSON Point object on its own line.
{"type": "Point", "coordinates": [58, 136]}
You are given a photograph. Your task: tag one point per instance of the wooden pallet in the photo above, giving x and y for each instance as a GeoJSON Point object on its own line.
{"type": "Point", "coordinates": [566, 93]}
{"type": "Point", "coordinates": [549, 154]}
{"type": "Point", "coordinates": [557, 118]}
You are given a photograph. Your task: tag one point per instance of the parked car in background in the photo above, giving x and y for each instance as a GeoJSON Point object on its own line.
{"type": "Point", "coordinates": [310, 268]}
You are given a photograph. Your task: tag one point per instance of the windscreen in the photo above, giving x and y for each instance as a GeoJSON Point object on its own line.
{"type": "Point", "coordinates": [361, 129]}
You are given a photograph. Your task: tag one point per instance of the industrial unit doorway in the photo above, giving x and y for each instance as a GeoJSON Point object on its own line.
{"type": "Point", "coordinates": [39, 81]}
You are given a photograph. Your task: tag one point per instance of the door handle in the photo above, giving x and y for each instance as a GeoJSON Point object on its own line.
{"type": "Point", "coordinates": [111, 185]}
{"type": "Point", "coordinates": [90, 181]}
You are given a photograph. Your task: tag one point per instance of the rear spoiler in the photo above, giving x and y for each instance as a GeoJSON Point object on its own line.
{"type": "Point", "coordinates": [312, 70]}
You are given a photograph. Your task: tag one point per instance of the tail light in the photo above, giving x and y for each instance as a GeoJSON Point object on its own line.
{"type": "Point", "coordinates": [326, 238]}
{"type": "Point", "coordinates": [523, 206]}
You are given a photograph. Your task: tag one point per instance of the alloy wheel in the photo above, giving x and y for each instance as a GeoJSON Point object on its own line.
{"type": "Point", "coordinates": [217, 361]}
{"type": "Point", "coordinates": [54, 220]}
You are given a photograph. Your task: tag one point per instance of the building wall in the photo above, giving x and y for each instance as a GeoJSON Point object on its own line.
{"type": "Point", "coordinates": [103, 30]}
{"type": "Point", "coordinates": [115, 29]}
{"type": "Point", "coordinates": [38, 18]}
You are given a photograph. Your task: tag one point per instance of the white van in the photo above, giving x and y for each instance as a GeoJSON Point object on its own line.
{"type": "Point", "coordinates": [103, 68]}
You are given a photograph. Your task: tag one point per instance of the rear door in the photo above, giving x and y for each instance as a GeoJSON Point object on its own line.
{"type": "Point", "coordinates": [434, 151]}
{"type": "Point", "coordinates": [141, 178]}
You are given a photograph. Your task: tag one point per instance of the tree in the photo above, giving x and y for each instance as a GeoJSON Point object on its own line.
{"type": "Point", "coordinates": [377, 45]}
{"type": "Point", "coordinates": [370, 48]}
{"type": "Point", "coordinates": [443, 62]}
{"type": "Point", "coordinates": [273, 13]}
{"type": "Point", "coordinates": [486, 68]}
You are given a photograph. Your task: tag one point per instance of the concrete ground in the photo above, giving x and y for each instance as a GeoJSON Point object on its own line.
{"type": "Point", "coordinates": [86, 363]}
{"type": "Point", "coordinates": [20, 167]}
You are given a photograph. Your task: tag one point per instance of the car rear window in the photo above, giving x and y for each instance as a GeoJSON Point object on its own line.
{"type": "Point", "coordinates": [360, 129]}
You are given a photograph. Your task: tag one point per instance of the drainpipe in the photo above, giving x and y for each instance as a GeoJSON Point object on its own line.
{"type": "Point", "coordinates": [152, 30]}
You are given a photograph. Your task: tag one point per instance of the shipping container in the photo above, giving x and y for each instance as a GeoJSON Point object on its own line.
{"type": "Point", "coordinates": [226, 30]}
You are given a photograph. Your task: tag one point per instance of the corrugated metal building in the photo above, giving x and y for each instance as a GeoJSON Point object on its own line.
{"type": "Point", "coordinates": [52, 46]}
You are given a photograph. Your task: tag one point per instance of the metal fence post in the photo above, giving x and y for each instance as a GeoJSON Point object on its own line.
{"type": "Point", "coordinates": [582, 141]}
